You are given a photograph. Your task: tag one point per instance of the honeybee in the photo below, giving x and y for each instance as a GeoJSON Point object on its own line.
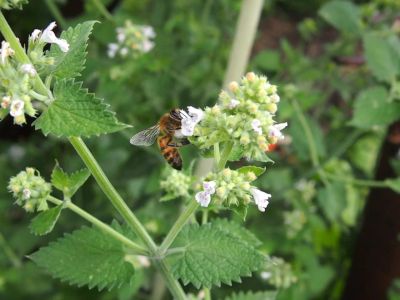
{"type": "Point", "coordinates": [168, 136]}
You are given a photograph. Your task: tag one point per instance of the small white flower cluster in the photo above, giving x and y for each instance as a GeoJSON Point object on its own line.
{"type": "Point", "coordinates": [175, 184]}
{"type": "Point", "coordinates": [244, 117]}
{"type": "Point", "coordinates": [17, 80]}
{"type": "Point", "coordinates": [30, 190]}
{"type": "Point", "coordinates": [48, 36]}
{"type": "Point", "coordinates": [232, 188]}
{"type": "Point", "coordinates": [132, 39]}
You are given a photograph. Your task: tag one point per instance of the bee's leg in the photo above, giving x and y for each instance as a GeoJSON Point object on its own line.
{"type": "Point", "coordinates": [180, 143]}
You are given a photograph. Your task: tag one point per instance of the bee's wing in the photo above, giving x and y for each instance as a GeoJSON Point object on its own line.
{"type": "Point", "coordinates": [146, 137]}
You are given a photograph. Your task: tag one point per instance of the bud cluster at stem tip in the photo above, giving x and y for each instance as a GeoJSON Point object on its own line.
{"type": "Point", "coordinates": [132, 40]}
{"type": "Point", "coordinates": [18, 79]}
{"type": "Point", "coordinates": [233, 189]}
{"type": "Point", "coordinates": [30, 190]}
{"type": "Point", "coordinates": [244, 117]}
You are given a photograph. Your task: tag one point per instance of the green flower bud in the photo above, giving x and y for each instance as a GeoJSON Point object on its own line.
{"type": "Point", "coordinates": [30, 190]}
{"type": "Point", "coordinates": [176, 184]}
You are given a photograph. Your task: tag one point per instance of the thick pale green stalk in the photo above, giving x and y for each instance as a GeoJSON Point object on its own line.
{"type": "Point", "coordinates": [245, 33]}
{"type": "Point", "coordinates": [111, 193]}
{"type": "Point", "coordinates": [177, 227]}
{"type": "Point", "coordinates": [103, 226]}
{"type": "Point", "coordinates": [173, 285]}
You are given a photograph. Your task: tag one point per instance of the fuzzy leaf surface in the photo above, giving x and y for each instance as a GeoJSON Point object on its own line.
{"type": "Point", "coordinates": [75, 112]}
{"type": "Point", "coordinates": [45, 221]}
{"type": "Point", "coordinates": [68, 183]}
{"type": "Point", "coordinates": [70, 64]}
{"type": "Point", "coordinates": [211, 256]}
{"type": "Point", "coordinates": [237, 230]}
{"type": "Point", "coordinates": [86, 257]}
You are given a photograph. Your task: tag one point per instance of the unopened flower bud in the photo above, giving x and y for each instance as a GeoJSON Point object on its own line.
{"type": "Point", "coordinates": [250, 76]}
{"type": "Point", "coordinates": [272, 107]}
{"type": "Point", "coordinates": [233, 86]}
{"type": "Point", "coordinates": [5, 102]}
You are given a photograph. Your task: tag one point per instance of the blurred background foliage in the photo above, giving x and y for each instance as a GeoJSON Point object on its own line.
{"type": "Point", "coordinates": [312, 51]}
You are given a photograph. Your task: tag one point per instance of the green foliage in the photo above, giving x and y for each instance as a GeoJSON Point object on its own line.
{"type": "Point", "coordinates": [382, 55]}
{"type": "Point", "coordinates": [70, 64]}
{"type": "Point", "coordinates": [374, 108]}
{"type": "Point", "coordinates": [256, 170]}
{"type": "Point", "coordinates": [343, 15]}
{"type": "Point", "coordinates": [75, 112]}
{"type": "Point", "coordinates": [68, 183]}
{"type": "Point", "coordinates": [211, 256]}
{"type": "Point", "coordinates": [86, 257]}
{"type": "Point", "coordinates": [237, 230]}
{"type": "Point", "coordinates": [253, 296]}
{"type": "Point", "coordinates": [394, 184]}
{"type": "Point", "coordinates": [45, 221]}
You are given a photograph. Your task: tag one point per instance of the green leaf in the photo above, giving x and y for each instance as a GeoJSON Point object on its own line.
{"type": "Point", "coordinates": [70, 64]}
{"type": "Point", "coordinates": [68, 183]}
{"type": "Point", "coordinates": [332, 200]}
{"type": "Point", "coordinates": [44, 222]}
{"type": "Point", "coordinates": [210, 256]}
{"type": "Point", "coordinates": [382, 57]}
{"type": "Point", "coordinates": [86, 257]}
{"type": "Point", "coordinates": [237, 230]}
{"type": "Point", "coordinates": [372, 108]}
{"type": "Point", "coordinates": [75, 112]}
{"type": "Point", "coordinates": [268, 60]}
{"type": "Point", "coordinates": [258, 171]}
{"type": "Point", "coordinates": [343, 15]}
{"type": "Point", "coordinates": [268, 295]}
{"type": "Point", "coordinates": [394, 184]}
{"type": "Point", "coordinates": [236, 153]}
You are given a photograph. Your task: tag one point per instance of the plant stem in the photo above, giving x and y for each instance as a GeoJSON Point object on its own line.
{"type": "Point", "coordinates": [224, 156]}
{"type": "Point", "coordinates": [101, 225]}
{"type": "Point", "coordinates": [8, 251]}
{"type": "Point", "coordinates": [111, 193]}
{"type": "Point", "coordinates": [177, 227]}
{"type": "Point", "coordinates": [20, 54]}
{"type": "Point", "coordinates": [56, 13]}
{"type": "Point", "coordinates": [158, 287]}
{"type": "Point", "coordinates": [217, 155]}
{"type": "Point", "coordinates": [103, 10]}
{"type": "Point", "coordinates": [310, 141]}
{"type": "Point", "coordinates": [173, 285]}
{"type": "Point", "coordinates": [207, 295]}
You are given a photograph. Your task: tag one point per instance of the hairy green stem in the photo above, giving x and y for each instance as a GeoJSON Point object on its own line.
{"type": "Point", "coordinates": [207, 293]}
{"type": "Point", "coordinates": [8, 251]}
{"type": "Point", "coordinates": [101, 225]}
{"type": "Point", "coordinates": [102, 10]}
{"type": "Point", "coordinates": [53, 8]}
{"type": "Point", "coordinates": [158, 287]}
{"type": "Point", "coordinates": [104, 183]}
{"type": "Point", "coordinates": [109, 190]}
{"type": "Point", "coordinates": [178, 225]}
{"type": "Point", "coordinates": [224, 156]}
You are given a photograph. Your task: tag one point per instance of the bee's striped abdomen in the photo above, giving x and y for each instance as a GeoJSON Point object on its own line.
{"type": "Point", "coordinates": [170, 154]}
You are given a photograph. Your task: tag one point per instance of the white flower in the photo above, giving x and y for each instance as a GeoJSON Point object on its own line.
{"type": "Point", "coordinates": [196, 114]}
{"type": "Point", "coordinates": [143, 261]}
{"type": "Point", "coordinates": [187, 126]}
{"type": "Point", "coordinates": [260, 198]}
{"type": "Point", "coordinates": [112, 50]}
{"type": "Point", "coordinates": [124, 51]}
{"type": "Point", "coordinates": [233, 103]}
{"type": "Point", "coordinates": [203, 198]}
{"type": "Point", "coordinates": [17, 108]}
{"type": "Point", "coordinates": [5, 102]}
{"type": "Point", "coordinates": [265, 275]}
{"type": "Point", "coordinates": [48, 36]}
{"type": "Point", "coordinates": [35, 34]}
{"type": "Point", "coordinates": [28, 69]}
{"type": "Point", "coordinates": [209, 187]}
{"type": "Point", "coordinates": [256, 124]}
{"type": "Point", "coordinates": [147, 46]}
{"type": "Point", "coordinates": [148, 32]}
{"type": "Point", "coordinates": [26, 193]}
{"type": "Point", "coordinates": [275, 130]}
{"type": "Point", "coordinates": [6, 51]}
{"type": "Point", "coordinates": [275, 98]}
{"type": "Point", "coordinates": [121, 37]}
